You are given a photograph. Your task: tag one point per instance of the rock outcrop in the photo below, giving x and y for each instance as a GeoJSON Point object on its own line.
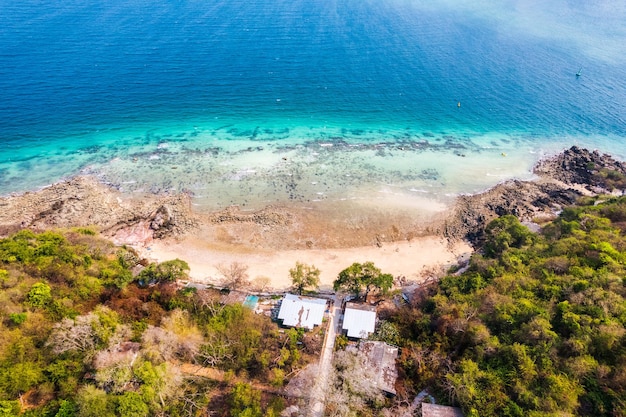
{"type": "Point", "coordinates": [598, 173]}
{"type": "Point", "coordinates": [561, 181]}
{"type": "Point", "coordinates": [82, 201]}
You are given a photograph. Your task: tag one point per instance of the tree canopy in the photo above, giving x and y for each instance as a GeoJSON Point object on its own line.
{"type": "Point", "coordinates": [536, 326]}
{"type": "Point", "coordinates": [304, 276]}
{"type": "Point", "coordinates": [363, 277]}
{"type": "Point", "coordinates": [80, 337]}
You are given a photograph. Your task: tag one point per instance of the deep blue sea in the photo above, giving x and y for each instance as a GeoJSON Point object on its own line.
{"type": "Point", "coordinates": [303, 100]}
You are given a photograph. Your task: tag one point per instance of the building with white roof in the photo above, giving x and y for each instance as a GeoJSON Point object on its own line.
{"type": "Point", "coordinates": [359, 320]}
{"type": "Point", "coordinates": [298, 311]}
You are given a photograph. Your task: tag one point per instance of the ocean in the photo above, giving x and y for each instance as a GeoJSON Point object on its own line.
{"type": "Point", "coordinates": [304, 101]}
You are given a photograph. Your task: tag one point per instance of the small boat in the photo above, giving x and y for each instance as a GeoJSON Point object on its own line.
{"type": "Point", "coordinates": [580, 71]}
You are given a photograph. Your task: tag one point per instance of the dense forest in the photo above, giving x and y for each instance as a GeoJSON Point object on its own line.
{"type": "Point", "coordinates": [89, 329]}
{"type": "Point", "coordinates": [534, 326]}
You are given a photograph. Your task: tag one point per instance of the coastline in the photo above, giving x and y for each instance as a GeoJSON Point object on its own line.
{"type": "Point", "coordinates": [409, 243]}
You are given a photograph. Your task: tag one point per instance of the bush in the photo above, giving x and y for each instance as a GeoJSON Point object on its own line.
{"type": "Point", "coordinates": [39, 295]}
{"type": "Point", "coordinates": [17, 318]}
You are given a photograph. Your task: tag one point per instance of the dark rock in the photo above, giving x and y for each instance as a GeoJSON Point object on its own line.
{"type": "Point", "coordinates": [563, 179]}
{"type": "Point", "coordinates": [596, 172]}
{"type": "Point", "coordinates": [161, 219]}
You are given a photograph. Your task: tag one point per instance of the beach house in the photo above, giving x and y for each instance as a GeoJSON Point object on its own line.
{"type": "Point", "coordinates": [299, 311]}
{"type": "Point", "coordinates": [359, 320]}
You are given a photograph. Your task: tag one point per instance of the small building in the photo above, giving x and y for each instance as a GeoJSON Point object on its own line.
{"type": "Point", "coordinates": [359, 320]}
{"type": "Point", "coordinates": [436, 410]}
{"type": "Point", "coordinates": [298, 311]}
{"type": "Point", "coordinates": [381, 358]}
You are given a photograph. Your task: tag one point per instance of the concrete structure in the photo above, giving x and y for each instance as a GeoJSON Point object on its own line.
{"type": "Point", "coordinates": [381, 357]}
{"type": "Point", "coordinates": [298, 311]}
{"type": "Point", "coordinates": [435, 410]}
{"type": "Point", "coordinates": [359, 320]}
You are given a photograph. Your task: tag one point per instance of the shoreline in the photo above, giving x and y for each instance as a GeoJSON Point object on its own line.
{"type": "Point", "coordinates": [270, 241]}
{"type": "Point", "coordinates": [392, 233]}
{"type": "Point", "coordinates": [414, 242]}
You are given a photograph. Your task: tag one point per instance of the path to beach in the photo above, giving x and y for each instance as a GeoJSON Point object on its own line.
{"type": "Point", "coordinates": [326, 359]}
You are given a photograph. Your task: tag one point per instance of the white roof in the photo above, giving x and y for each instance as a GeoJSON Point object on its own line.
{"type": "Point", "coordinates": [297, 311]}
{"type": "Point", "coordinates": [359, 320]}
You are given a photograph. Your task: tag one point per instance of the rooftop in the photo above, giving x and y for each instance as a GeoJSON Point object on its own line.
{"type": "Point", "coordinates": [359, 320]}
{"type": "Point", "coordinates": [382, 358]}
{"type": "Point", "coordinates": [298, 311]}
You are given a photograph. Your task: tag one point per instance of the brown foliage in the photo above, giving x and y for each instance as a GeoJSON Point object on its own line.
{"type": "Point", "coordinates": [135, 303]}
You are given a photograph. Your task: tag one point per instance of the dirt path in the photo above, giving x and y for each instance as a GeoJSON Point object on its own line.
{"type": "Point", "coordinates": [326, 359]}
{"type": "Point", "coordinates": [221, 376]}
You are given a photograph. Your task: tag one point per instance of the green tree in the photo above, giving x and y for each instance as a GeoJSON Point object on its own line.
{"type": "Point", "coordinates": [66, 409]}
{"type": "Point", "coordinates": [4, 276]}
{"type": "Point", "coordinates": [39, 295]}
{"type": "Point", "coordinates": [363, 277]}
{"type": "Point", "coordinates": [160, 383]}
{"type": "Point", "coordinates": [130, 404]}
{"type": "Point", "coordinates": [304, 276]}
{"type": "Point", "coordinates": [387, 332]}
{"type": "Point", "coordinates": [9, 408]}
{"type": "Point", "coordinates": [506, 232]}
{"type": "Point", "coordinates": [18, 318]}
{"type": "Point", "coordinates": [245, 401]}
{"type": "Point", "coordinates": [350, 279]}
{"type": "Point", "coordinates": [116, 275]}
{"type": "Point", "coordinates": [168, 271]}
{"type": "Point", "coordinates": [20, 377]}
{"type": "Point", "coordinates": [380, 282]}
{"type": "Point", "coordinates": [94, 402]}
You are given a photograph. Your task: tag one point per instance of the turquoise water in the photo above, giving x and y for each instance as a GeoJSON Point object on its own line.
{"type": "Point", "coordinates": [304, 100]}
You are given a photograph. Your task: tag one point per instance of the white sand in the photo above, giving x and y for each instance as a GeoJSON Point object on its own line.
{"type": "Point", "coordinates": [416, 260]}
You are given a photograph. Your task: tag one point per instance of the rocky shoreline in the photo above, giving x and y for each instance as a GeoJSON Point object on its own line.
{"type": "Point", "coordinates": [561, 181]}
{"type": "Point", "coordinates": [83, 201]}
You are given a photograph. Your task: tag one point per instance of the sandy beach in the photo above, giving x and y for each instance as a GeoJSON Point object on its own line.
{"type": "Point", "coordinates": [414, 261]}
{"type": "Point", "coordinates": [401, 236]}
{"type": "Point", "coordinates": [410, 239]}
{"type": "Point", "coordinates": [400, 240]}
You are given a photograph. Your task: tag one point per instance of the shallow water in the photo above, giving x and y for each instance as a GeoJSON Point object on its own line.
{"type": "Point", "coordinates": [305, 101]}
